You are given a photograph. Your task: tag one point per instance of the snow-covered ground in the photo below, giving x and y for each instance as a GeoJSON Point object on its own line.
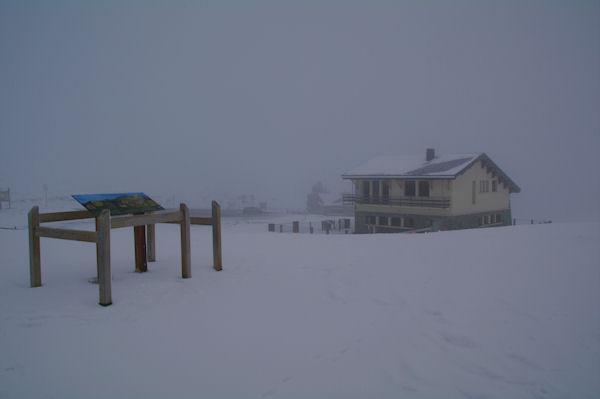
{"type": "Point", "coordinates": [510, 312]}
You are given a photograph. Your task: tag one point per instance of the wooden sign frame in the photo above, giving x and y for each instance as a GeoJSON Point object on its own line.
{"type": "Point", "coordinates": [101, 237]}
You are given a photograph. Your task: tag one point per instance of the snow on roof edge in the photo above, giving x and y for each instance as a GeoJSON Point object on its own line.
{"type": "Point", "coordinates": [402, 166]}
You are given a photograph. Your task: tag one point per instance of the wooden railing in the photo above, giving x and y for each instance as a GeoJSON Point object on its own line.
{"type": "Point", "coordinates": [422, 202]}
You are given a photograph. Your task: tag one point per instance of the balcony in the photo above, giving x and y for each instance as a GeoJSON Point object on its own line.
{"type": "Point", "coordinates": [421, 202]}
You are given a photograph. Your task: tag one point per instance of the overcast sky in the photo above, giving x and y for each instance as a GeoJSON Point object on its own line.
{"type": "Point", "coordinates": [216, 99]}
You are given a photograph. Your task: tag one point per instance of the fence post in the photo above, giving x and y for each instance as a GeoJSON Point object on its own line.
{"type": "Point", "coordinates": [186, 270]}
{"type": "Point", "coordinates": [103, 257]}
{"type": "Point", "coordinates": [216, 231]}
{"type": "Point", "coordinates": [35, 268]}
{"type": "Point", "coordinates": [151, 242]}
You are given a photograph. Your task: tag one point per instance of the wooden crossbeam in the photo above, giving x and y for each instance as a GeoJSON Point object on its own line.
{"type": "Point", "coordinates": [201, 221]}
{"type": "Point", "coordinates": [67, 234]}
{"type": "Point", "coordinates": [63, 216]}
{"type": "Point", "coordinates": [141, 220]}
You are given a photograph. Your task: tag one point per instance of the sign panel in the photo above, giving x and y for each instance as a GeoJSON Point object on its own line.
{"type": "Point", "coordinates": [117, 203]}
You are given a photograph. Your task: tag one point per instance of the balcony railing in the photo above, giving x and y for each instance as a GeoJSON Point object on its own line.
{"type": "Point", "coordinates": [422, 202]}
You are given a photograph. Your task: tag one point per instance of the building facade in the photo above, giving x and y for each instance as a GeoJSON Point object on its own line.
{"type": "Point", "coordinates": [397, 194]}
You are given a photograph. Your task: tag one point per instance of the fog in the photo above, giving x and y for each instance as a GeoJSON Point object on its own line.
{"type": "Point", "coordinates": [199, 99]}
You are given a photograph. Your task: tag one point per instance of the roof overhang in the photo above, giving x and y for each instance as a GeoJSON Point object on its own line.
{"type": "Point", "coordinates": [398, 177]}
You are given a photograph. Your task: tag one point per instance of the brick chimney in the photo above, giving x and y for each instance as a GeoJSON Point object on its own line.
{"type": "Point", "coordinates": [429, 154]}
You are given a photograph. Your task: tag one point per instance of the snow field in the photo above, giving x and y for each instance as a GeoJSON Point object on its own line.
{"type": "Point", "coordinates": [503, 312]}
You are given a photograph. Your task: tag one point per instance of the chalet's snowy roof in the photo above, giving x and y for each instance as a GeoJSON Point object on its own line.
{"type": "Point", "coordinates": [416, 167]}
{"type": "Point", "coordinates": [413, 166]}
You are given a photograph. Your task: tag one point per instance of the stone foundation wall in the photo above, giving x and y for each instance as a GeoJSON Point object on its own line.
{"type": "Point", "coordinates": [434, 222]}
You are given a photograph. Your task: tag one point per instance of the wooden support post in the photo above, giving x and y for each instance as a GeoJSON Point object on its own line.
{"type": "Point", "coordinates": [103, 253]}
{"type": "Point", "coordinates": [139, 235]}
{"type": "Point", "coordinates": [35, 268]}
{"type": "Point", "coordinates": [151, 242]}
{"type": "Point", "coordinates": [186, 270]}
{"type": "Point", "coordinates": [216, 231]}
{"type": "Point", "coordinates": [97, 254]}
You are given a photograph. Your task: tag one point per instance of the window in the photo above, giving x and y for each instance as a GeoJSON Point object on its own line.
{"type": "Point", "coordinates": [494, 186]}
{"type": "Point", "coordinates": [366, 188]}
{"type": "Point", "coordinates": [370, 219]}
{"type": "Point", "coordinates": [424, 188]}
{"type": "Point", "coordinates": [385, 191]}
{"type": "Point", "coordinates": [396, 221]}
{"type": "Point", "coordinates": [375, 190]}
{"type": "Point", "coordinates": [488, 219]}
{"type": "Point", "coordinates": [383, 220]}
{"type": "Point", "coordinates": [498, 218]}
{"type": "Point", "coordinates": [484, 186]}
{"type": "Point", "coordinates": [410, 188]}
{"type": "Point", "coordinates": [408, 222]}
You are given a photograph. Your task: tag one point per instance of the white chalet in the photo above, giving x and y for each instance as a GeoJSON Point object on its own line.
{"type": "Point", "coordinates": [395, 194]}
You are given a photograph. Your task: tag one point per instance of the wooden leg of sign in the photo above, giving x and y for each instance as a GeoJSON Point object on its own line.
{"type": "Point", "coordinates": [35, 267]}
{"type": "Point", "coordinates": [139, 236]}
{"type": "Point", "coordinates": [97, 255]}
{"type": "Point", "coordinates": [151, 242]}
{"type": "Point", "coordinates": [103, 252]}
{"type": "Point", "coordinates": [186, 269]}
{"type": "Point", "coordinates": [216, 231]}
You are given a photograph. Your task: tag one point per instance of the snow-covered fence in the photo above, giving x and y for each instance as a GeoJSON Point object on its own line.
{"type": "Point", "coordinates": [342, 225]}
{"type": "Point", "coordinates": [101, 237]}
{"type": "Point", "coordinates": [517, 221]}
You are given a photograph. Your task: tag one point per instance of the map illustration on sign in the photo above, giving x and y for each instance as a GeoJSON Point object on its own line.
{"type": "Point", "coordinates": [118, 203]}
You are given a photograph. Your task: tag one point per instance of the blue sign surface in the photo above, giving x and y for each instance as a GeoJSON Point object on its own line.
{"type": "Point", "coordinates": [117, 203]}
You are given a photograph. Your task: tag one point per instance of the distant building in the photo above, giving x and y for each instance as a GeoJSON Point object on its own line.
{"type": "Point", "coordinates": [395, 194]}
